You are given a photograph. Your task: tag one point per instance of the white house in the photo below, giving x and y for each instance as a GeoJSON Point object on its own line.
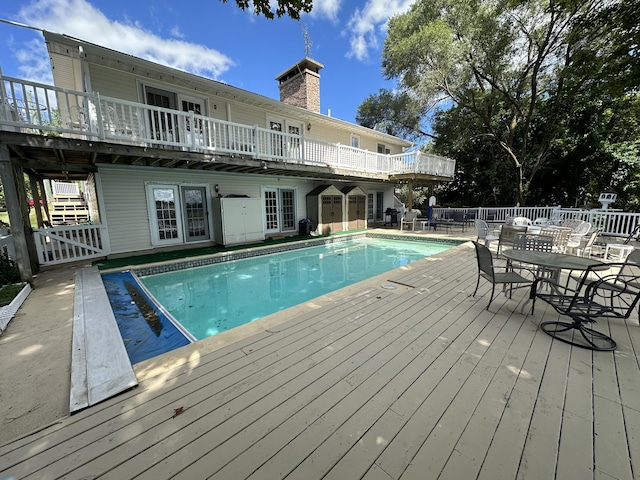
{"type": "Point", "coordinates": [175, 160]}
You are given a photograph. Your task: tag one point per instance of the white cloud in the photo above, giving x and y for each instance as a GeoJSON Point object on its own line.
{"type": "Point", "coordinates": [368, 26]}
{"type": "Point", "coordinates": [33, 60]}
{"type": "Point", "coordinates": [78, 18]}
{"type": "Point", "coordinates": [326, 9]}
{"type": "Point", "coordinates": [175, 32]}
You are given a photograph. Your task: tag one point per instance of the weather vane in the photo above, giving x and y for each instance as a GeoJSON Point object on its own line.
{"type": "Point", "coordinates": [307, 41]}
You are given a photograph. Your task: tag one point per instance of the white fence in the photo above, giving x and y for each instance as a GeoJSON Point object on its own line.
{"type": "Point", "coordinates": [7, 246]}
{"type": "Point", "coordinates": [71, 243]}
{"type": "Point", "coordinates": [39, 108]}
{"type": "Point", "coordinates": [611, 222]}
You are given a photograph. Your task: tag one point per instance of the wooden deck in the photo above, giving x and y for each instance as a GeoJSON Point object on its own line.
{"type": "Point", "coordinates": [374, 382]}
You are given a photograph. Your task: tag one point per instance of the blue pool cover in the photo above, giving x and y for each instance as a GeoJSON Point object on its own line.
{"type": "Point", "coordinates": [145, 330]}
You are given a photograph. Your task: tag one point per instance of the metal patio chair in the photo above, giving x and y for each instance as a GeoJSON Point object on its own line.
{"type": "Point", "coordinates": [487, 270]}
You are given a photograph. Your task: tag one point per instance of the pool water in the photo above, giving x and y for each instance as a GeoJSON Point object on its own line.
{"type": "Point", "coordinates": [211, 299]}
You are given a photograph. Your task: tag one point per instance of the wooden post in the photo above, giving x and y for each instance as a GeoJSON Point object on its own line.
{"type": "Point", "coordinates": [36, 199]}
{"type": "Point", "coordinates": [9, 183]}
{"type": "Point", "coordinates": [410, 195]}
{"type": "Point", "coordinates": [45, 203]}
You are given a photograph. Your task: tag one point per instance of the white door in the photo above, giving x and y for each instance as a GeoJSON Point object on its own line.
{"type": "Point", "coordinates": [164, 214]}
{"type": "Point", "coordinates": [196, 214]}
{"type": "Point", "coordinates": [279, 209]}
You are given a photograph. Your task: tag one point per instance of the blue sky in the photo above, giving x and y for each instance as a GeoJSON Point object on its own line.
{"type": "Point", "coordinates": [215, 40]}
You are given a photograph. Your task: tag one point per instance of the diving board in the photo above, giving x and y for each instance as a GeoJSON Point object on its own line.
{"type": "Point", "coordinates": [100, 366]}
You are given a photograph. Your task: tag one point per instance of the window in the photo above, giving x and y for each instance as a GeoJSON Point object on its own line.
{"type": "Point", "coordinates": [383, 149]}
{"type": "Point", "coordinates": [355, 141]}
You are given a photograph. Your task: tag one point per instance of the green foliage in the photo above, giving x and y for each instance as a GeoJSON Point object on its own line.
{"type": "Point", "coordinates": [394, 113]}
{"type": "Point", "coordinates": [9, 292]}
{"type": "Point", "coordinates": [8, 270]}
{"type": "Point", "coordinates": [543, 95]}
{"type": "Point", "coordinates": [292, 8]}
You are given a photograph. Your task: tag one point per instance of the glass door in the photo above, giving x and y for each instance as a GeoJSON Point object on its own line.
{"type": "Point", "coordinates": [271, 210]}
{"type": "Point", "coordinates": [165, 214]}
{"type": "Point", "coordinates": [196, 218]}
{"type": "Point", "coordinates": [279, 209]}
{"type": "Point", "coordinates": [161, 123]}
{"type": "Point", "coordinates": [287, 200]}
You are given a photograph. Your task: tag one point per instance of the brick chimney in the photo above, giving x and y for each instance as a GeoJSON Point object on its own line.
{"type": "Point", "coordinates": [300, 85]}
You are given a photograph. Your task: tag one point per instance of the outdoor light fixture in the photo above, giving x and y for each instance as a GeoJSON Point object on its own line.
{"type": "Point", "coordinates": [308, 127]}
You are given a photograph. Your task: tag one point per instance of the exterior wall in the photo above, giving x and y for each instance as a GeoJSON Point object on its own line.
{"type": "Point", "coordinates": [67, 72]}
{"type": "Point", "coordinates": [125, 201]}
{"type": "Point", "coordinates": [113, 83]}
{"type": "Point", "coordinates": [123, 81]}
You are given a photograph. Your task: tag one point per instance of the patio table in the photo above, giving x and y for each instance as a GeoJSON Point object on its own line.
{"type": "Point", "coordinates": [555, 262]}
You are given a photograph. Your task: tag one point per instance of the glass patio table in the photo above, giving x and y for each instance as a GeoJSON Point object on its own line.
{"type": "Point", "coordinates": [554, 262]}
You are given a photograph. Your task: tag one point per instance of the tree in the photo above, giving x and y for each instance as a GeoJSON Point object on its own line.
{"type": "Point", "coordinates": [396, 113]}
{"type": "Point", "coordinates": [502, 62]}
{"type": "Point", "coordinates": [289, 7]}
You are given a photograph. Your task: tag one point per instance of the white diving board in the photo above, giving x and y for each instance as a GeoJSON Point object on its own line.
{"type": "Point", "coordinates": [100, 366]}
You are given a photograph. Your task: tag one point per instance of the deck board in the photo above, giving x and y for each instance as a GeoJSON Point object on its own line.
{"type": "Point", "coordinates": [402, 376]}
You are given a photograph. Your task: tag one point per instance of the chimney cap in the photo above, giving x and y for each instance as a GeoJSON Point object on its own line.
{"type": "Point", "coordinates": [305, 64]}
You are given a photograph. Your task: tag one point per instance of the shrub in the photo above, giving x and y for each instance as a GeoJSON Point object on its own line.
{"type": "Point", "coordinates": [8, 270]}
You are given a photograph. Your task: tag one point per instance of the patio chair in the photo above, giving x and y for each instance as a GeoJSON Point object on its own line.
{"type": "Point", "coordinates": [483, 232]}
{"type": "Point", "coordinates": [560, 237]}
{"type": "Point", "coordinates": [537, 243]}
{"type": "Point", "coordinates": [487, 270]}
{"type": "Point", "coordinates": [507, 233]}
{"type": "Point", "coordinates": [520, 221]}
{"type": "Point", "coordinates": [579, 229]}
{"type": "Point", "coordinates": [599, 294]}
{"type": "Point", "coordinates": [588, 249]}
{"type": "Point", "coordinates": [541, 221]}
{"type": "Point", "coordinates": [409, 219]}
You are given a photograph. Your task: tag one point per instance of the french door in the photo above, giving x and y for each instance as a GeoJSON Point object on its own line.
{"type": "Point", "coordinates": [279, 209]}
{"type": "Point", "coordinates": [178, 214]}
{"type": "Point", "coordinates": [196, 217]}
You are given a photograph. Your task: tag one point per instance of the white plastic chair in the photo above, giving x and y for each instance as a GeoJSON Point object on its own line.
{"type": "Point", "coordinates": [483, 232]}
{"type": "Point", "coordinates": [409, 219]}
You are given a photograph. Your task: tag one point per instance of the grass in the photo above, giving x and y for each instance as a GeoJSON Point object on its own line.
{"type": "Point", "coordinates": [9, 292]}
{"type": "Point", "coordinates": [4, 217]}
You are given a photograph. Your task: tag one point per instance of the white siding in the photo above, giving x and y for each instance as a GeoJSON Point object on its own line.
{"type": "Point", "coordinates": [66, 72]}
{"type": "Point", "coordinates": [114, 83]}
{"type": "Point", "coordinates": [125, 202]}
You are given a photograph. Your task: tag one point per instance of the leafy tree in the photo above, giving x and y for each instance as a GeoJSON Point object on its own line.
{"type": "Point", "coordinates": [264, 7]}
{"type": "Point", "coordinates": [396, 113]}
{"type": "Point", "coordinates": [513, 71]}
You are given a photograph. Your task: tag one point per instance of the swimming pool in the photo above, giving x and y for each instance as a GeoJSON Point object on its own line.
{"type": "Point", "coordinates": [211, 299]}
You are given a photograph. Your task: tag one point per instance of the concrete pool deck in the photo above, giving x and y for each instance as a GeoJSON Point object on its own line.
{"type": "Point", "coordinates": [416, 381]}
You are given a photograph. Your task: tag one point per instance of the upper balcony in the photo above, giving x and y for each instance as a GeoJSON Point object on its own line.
{"type": "Point", "coordinates": [36, 108]}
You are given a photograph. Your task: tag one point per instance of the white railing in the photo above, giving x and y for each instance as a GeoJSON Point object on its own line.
{"type": "Point", "coordinates": [71, 243]}
{"type": "Point", "coordinates": [7, 245]}
{"type": "Point", "coordinates": [611, 222]}
{"type": "Point", "coordinates": [37, 108]}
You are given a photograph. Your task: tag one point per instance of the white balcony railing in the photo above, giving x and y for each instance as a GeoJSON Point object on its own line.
{"type": "Point", "coordinates": [39, 108]}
